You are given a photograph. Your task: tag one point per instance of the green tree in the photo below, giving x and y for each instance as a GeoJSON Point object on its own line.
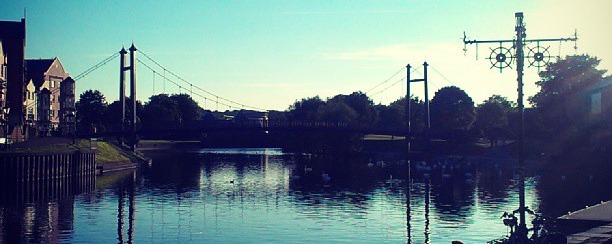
{"type": "Point", "coordinates": [362, 105]}
{"type": "Point", "coordinates": [188, 109]}
{"type": "Point", "coordinates": [91, 108]}
{"type": "Point", "coordinates": [560, 102]}
{"type": "Point", "coordinates": [336, 110]}
{"type": "Point", "coordinates": [452, 112]}
{"type": "Point", "coordinates": [307, 109]}
{"type": "Point", "coordinates": [112, 117]}
{"type": "Point", "coordinates": [492, 117]}
{"type": "Point", "coordinates": [161, 112]}
{"type": "Point", "coordinates": [393, 117]}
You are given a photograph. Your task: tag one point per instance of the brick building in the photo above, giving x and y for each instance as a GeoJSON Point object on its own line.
{"type": "Point", "coordinates": [42, 94]}
{"type": "Point", "coordinates": [38, 99]}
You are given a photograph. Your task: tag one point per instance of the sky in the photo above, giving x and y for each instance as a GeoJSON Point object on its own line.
{"type": "Point", "coordinates": [268, 54]}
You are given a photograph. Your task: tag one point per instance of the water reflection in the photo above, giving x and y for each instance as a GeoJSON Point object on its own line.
{"type": "Point", "coordinates": [255, 196]}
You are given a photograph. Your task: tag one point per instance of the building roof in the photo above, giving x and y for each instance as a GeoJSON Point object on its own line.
{"type": "Point", "coordinates": [600, 85]}
{"type": "Point", "coordinates": [68, 79]}
{"type": "Point", "coordinates": [37, 68]}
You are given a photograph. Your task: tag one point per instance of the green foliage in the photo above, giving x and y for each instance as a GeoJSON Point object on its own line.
{"type": "Point", "coordinates": [112, 117]}
{"type": "Point", "coordinates": [306, 109]}
{"type": "Point", "coordinates": [452, 112]}
{"type": "Point", "coordinates": [394, 115]}
{"type": "Point", "coordinates": [91, 108]}
{"type": "Point", "coordinates": [160, 112]}
{"type": "Point", "coordinates": [560, 102]}
{"type": "Point", "coordinates": [188, 109]}
{"type": "Point", "coordinates": [361, 105]}
{"type": "Point", "coordinates": [336, 110]}
{"type": "Point", "coordinates": [167, 112]}
{"type": "Point", "coordinates": [492, 117]}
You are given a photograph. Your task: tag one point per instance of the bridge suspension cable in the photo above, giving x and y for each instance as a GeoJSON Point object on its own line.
{"type": "Point", "coordinates": [191, 85]}
{"type": "Point", "coordinates": [192, 92]}
{"type": "Point", "coordinates": [96, 66]}
{"type": "Point", "coordinates": [394, 83]}
{"type": "Point", "coordinates": [441, 75]}
{"type": "Point", "coordinates": [385, 81]}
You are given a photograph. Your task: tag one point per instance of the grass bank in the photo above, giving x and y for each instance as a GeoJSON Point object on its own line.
{"type": "Point", "coordinates": [108, 154]}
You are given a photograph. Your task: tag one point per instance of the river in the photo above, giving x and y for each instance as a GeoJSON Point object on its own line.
{"type": "Point", "coordinates": [267, 196]}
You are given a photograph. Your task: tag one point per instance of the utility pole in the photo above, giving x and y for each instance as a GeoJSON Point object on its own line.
{"type": "Point", "coordinates": [502, 57]}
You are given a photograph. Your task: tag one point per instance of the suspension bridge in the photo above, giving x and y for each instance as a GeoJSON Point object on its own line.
{"type": "Point", "coordinates": [165, 75]}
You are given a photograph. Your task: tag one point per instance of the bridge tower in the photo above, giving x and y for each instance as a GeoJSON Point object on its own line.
{"type": "Point", "coordinates": [408, 112]}
{"type": "Point", "coordinates": [130, 135]}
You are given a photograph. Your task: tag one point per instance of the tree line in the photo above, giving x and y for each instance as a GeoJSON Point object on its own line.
{"type": "Point", "coordinates": [557, 109]}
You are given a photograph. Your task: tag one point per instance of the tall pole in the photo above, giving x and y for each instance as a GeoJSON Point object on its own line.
{"type": "Point", "coordinates": [503, 59]}
{"type": "Point", "coordinates": [520, 59]}
{"type": "Point", "coordinates": [408, 109]}
{"type": "Point", "coordinates": [133, 85]}
{"type": "Point", "coordinates": [427, 117]}
{"type": "Point", "coordinates": [122, 87]}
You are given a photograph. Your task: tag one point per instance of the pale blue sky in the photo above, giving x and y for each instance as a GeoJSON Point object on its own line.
{"type": "Point", "coordinates": [269, 53]}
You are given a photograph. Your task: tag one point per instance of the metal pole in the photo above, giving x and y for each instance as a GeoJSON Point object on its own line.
{"type": "Point", "coordinates": [427, 117]}
{"type": "Point", "coordinates": [520, 34]}
{"type": "Point", "coordinates": [408, 108]}
{"type": "Point", "coordinates": [122, 88]}
{"type": "Point", "coordinates": [133, 84]}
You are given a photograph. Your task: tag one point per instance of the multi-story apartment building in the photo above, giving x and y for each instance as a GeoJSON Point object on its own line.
{"type": "Point", "coordinates": [33, 89]}
{"type": "Point", "coordinates": [43, 94]}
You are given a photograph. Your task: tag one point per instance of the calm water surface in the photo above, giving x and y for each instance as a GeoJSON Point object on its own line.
{"type": "Point", "coordinates": [266, 196]}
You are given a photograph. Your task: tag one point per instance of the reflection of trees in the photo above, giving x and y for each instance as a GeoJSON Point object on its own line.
{"type": "Point", "coordinates": [454, 198]}
{"type": "Point", "coordinates": [174, 171]}
{"type": "Point", "coordinates": [493, 184]}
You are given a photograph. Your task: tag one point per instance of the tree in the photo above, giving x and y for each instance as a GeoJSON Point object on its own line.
{"type": "Point", "coordinates": [452, 112]}
{"type": "Point", "coordinates": [492, 117]}
{"type": "Point", "coordinates": [336, 110]}
{"type": "Point", "coordinates": [362, 105]}
{"type": "Point", "coordinates": [161, 112]}
{"type": "Point", "coordinates": [393, 117]}
{"type": "Point", "coordinates": [559, 102]}
{"type": "Point", "coordinates": [306, 110]}
{"type": "Point", "coordinates": [90, 110]}
{"type": "Point", "coordinates": [112, 117]}
{"type": "Point", "coordinates": [188, 109]}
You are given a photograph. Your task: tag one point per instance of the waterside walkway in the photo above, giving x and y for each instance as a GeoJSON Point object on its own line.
{"type": "Point", "coordinates": [598, 213]}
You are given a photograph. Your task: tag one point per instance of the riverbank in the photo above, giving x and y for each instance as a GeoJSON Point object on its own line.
{"type": "Point", "coordinates": [109, 155]}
